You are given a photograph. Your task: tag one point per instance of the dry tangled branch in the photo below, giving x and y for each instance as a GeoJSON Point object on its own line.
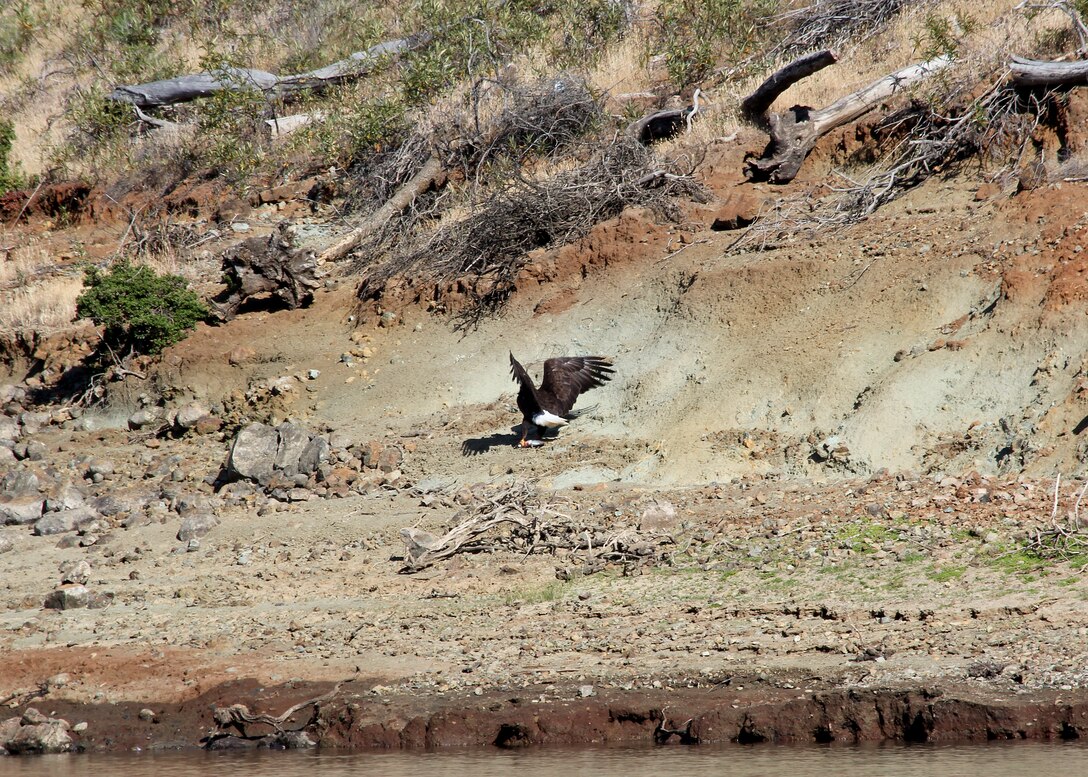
{"type": "Point", "coordinates": [515, 121]}
{"type": "Point", "coordinates": [1064, 539]}
{"type": "Point", "coordinates": [489, 246]}
{"type": "Point", "coordinates": [928, 137]}
{"type": "Point", "coordinates": [831, 23]}
{"type": "Point", "coordinates": [232, 722]}
{"type": "Point", "coordinates": [531, 522]}
{"type": "Point", "coordinates": [502, 121]}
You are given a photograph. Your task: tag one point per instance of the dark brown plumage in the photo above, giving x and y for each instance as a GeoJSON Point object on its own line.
{"type": "Point", "coordinates": [551, 404]}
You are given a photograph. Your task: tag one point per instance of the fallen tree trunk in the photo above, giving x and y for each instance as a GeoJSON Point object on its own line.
{"type": "Point", "coordinates": [183, 89]}
{"type": "Point", "coordinates": [795, 132]}
{"type": "Point", "coordinates": [401, 199]}
{"type": "Point", "coordinates": [1034, 72]}
{"type": "Point", "coordinates": [756, 105]}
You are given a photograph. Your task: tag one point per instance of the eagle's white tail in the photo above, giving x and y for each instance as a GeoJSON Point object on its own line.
{"type": "Point", "coordinates": [550, 420]}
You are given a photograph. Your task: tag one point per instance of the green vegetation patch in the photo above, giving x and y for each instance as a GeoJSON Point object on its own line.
{"type": "Point", "coordinates": [11, 177]}
{"type": "Point", "coordinates": [142, 312]}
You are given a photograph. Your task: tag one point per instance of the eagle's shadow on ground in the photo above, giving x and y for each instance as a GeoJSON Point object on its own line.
{"type": "Point", "coordinates": [474, 446]}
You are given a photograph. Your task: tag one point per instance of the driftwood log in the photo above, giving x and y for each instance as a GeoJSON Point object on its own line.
{"type": "Point", "coordinates": [663, 734]}
{"type": "Point", "coordinates": [794, 133]}
{"type": "Point", "coordinates": [269, 267]}
{"type": "Point", "coordinates": [234, 720]}
{"type": "Point", "coordinates": [186, 88]}
{"type": "Point", "coordinates": [755, 106]}
{"type": "Point", "coordinates": [1033, 72]}
{"type": "Point", "coordinates": [426, 178]}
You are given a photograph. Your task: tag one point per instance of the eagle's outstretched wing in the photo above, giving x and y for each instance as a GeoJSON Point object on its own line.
{"type": "Point", "coordinates": [568, 376]}
{"type": "Point", "coordinates": [527, 393]}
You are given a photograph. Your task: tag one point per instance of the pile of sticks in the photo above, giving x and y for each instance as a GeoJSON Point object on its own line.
{"type": "Point", "coordinates": [519, 519]}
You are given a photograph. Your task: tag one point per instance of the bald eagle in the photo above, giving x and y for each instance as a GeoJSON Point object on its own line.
{"type": "Point", "coordinates": [551, 405]}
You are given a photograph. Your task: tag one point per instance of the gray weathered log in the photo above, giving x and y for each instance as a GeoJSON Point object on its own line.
{"type": "Point", "coordinates": [186, 88]}
{"type": "Point", "coordinates": [1034, 72]}
{"type": "Point", "coordinates": [755, 106]}
{"type": "Point", "coordinates": [423, 180]}
{"type": "Point", "coordinates": [795, 132]}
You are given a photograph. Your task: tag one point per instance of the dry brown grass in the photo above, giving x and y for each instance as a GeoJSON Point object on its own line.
{"type": "Point", "coordinates": [42, 306]}
{"type": "Point", "coordinates": [622, 69]}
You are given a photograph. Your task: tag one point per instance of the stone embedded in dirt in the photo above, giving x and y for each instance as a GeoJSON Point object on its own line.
{"type": "Point", "coordinates": [659, 516]}
{"type": "Point", "coordinates": [7, 455]}
{"type": "Point", "coordinates": [55, 523]}
{"type": "Point", "coordinates": [65, 497]}
{"type": "Point", "coordinates": [737, 210]}
{"type": "Point", "coordinates": [253, 453]}
{"type": "Point", "coordinates": [21, 510]}
{"type": "Point", "coordinates": [9, 429]}
{"type": "Point", "coordinates": [34, 450]}
{"type": "Point", "coordinates": [390, 459]}
{"type": "Point", "coordinates": [293, 439]}
{"type": "Point", "coordinates": [34, 733]}
{"type": "Point", "coordinates": [241, 355]}
{"type": "Point", "coordinates": [315, 454]}
{"type": "Point", "coordinates": [340, 441]}
{"type": "Point", "coordinates": [196, 525]}
{"type": "Point", "coordinates": [111, 505]}
{"type": "Point", "coordinates": [143, 417]}
{"type": "Point", "coordinates": [68, 597]}
{"type": "Point", "coordinates": [78, 572]}
{"type": "Point", "coordinates": [189, 415]}
{"type": "Point", "coordinates": [100, 466]}
{"type": "Point", "coordinates": [6, 543]}
{"type": "Point", "coordinates": [20, 483]}
{"type": "Point", "coordinates": [369, 452]}
{"type": "Point", "coordinates": [32, 422]}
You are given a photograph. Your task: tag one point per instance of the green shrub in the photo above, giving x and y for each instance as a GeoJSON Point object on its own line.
{"type": "Point", "coordinates": [10, 176]}
{"type": "Point", "coordinates": [698, 33]}
{"type": "Point", "coordinates": [142, 312]}
{"type": "Point", "coordinates": [19, 25]}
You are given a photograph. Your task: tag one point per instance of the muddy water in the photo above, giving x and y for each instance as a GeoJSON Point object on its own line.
{"type": "Point", "coordinates": [995, 760]}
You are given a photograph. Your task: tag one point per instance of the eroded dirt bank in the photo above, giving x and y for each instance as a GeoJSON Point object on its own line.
{"type": "Point", "coordinates": [747, 710]}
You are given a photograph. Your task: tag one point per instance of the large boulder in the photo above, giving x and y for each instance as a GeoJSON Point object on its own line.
{"type": "Point", "coordinates": [20, 482]}
{"type": "Point", "coordinates": [196, 525]}
{"type": "Point", "coordinates": [9, 429]}
{"type": "Point", "coordinates": [69, 597]}
{"type": "Point", "coordinates": [21, 510]}
{"type": "Point", "coordinates": [315, 454]}
{"type": "Point", "coordinates": [55, 523]}
{"type": "Point", "coordinates": [253, 453]}
{"type": "Point", "coordinates": [35, 733]}
{"type": "Point", "coordinates": [293, 441]}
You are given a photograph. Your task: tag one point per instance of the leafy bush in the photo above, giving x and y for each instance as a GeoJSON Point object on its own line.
{"type": "Point", "coordinates": [10, 175]}
{"type": "Point", "coordinates": [19, 25]}
{"type": "Point", "coordinates": [696, 33]}
{"type": "Point", "coordinates": [142, 312]}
